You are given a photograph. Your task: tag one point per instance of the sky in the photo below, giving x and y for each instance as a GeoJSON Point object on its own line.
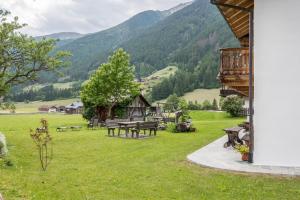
{"type": "Point", "coordinates": [83, 16]}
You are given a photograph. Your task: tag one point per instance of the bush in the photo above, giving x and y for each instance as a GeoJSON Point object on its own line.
{"type": "Point", "coordinates": [194, 106]}
{"type": "Point", "coordinates": [172, 128]}
{"type": "Point", "coordinates": [89, 112]}
{"type": "Point", "coordinates": [172, 103]}
{"type": "Point", "coordinates": [233, 105]}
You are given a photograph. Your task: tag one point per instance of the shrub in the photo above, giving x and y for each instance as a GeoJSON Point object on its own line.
{"type": "Point", "coordinates": [194, 106]}
{"type": "Point", "coordinates": [172, 103]}
{"type": "Point", "coordinates": [42, 139]}
{"type": "Point", "coordinates": [172, 128]}
{"type": "Point", "coordinates": [233, 105]}
{"type": "Point", "coordinates": [89, 112]}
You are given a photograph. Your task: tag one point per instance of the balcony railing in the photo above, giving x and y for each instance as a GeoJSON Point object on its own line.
{"type": "Point", "coordinates": [234, 62]}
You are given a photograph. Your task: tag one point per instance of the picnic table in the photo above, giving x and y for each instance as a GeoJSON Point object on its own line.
{"type": "Point", "coordinates": [127, 125]}
{"type": "Point", "coordinates": [233, 136]}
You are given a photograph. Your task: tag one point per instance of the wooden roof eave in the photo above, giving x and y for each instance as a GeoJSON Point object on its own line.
{"type": "Point", "coordinates": [236, 14]}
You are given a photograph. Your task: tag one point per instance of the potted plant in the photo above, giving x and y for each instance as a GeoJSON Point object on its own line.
{"type": "Point", "coordinates": [244, 150]}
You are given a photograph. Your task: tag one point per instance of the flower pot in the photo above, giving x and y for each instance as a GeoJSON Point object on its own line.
{"type": "Point", "coordinates": [245, 156]}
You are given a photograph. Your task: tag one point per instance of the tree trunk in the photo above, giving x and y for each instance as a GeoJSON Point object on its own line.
{"type": "Point", "coordinates": [110, 113]}
{"type": "Point", "coordinates": [102, 113]}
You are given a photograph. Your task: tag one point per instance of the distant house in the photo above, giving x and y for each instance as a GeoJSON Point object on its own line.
{"type": "Point", "coordinates": [74, 108]}
{"type": "Point", "coordinates": [44, 108]}
{"type": "Point", "coordinates": [52, 109]}
{"type": "Point", "coordinates": [61, 109]}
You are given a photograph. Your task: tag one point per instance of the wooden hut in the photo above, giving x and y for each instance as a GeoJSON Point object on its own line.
{"type": "Point", "coordinates": [134, 108]}
{"type": "Point", "coordinates": [74, 108]}
{"type": "Point", "coordinates": [137, 107]}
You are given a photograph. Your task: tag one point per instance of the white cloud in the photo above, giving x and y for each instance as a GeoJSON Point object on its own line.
{"type": "Point", "coordinates": [83, 16]}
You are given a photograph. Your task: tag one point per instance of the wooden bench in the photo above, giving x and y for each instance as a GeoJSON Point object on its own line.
{"type": "Point", "coordinates": [75, 128]}
{"type": "Point", "coordinates": [113, 124]}
{"type": "Point", "coordinates": [93, 124]}
{"type": "Point", "coordinates": [233, 136]}
{"type": "Point", "coordinates": [61, 129]}
{"type": "Point", "coordinates": [144, 126]}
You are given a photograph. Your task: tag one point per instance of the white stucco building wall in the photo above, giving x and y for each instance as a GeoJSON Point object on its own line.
{"type": "Point", "coordinates": [277, 82]}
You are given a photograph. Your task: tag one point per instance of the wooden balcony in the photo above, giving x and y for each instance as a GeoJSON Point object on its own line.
{"type": "Point", "coordinates": [234, 69]}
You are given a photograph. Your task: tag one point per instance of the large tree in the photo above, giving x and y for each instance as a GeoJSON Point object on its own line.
{"type": "Point", "coordinates": [22, 57]}
{"type": "Point", "coordinates": [111, 84]}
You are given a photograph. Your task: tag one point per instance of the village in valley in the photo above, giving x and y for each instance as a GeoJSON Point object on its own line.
{"type": "Point", "coordinates": [196, 101]}
{"type": "Point", "coordinates": [73, 108]}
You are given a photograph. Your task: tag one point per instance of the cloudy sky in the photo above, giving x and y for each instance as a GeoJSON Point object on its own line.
{"type": "Point", "coordinates": [83, 16]}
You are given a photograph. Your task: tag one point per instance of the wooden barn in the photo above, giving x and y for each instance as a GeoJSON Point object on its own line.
{"type": "Point", "coordinates": [135, 108]}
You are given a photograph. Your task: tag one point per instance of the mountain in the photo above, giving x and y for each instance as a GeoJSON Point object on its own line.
{"type": "Point", "coordinates": [176, 8]}
{"type": "Point", "coordinates": [92, 50]}
{"type": "Point", "coordinates": [188, 35]}
{"type": "Point", "coordinates": [62, 37]}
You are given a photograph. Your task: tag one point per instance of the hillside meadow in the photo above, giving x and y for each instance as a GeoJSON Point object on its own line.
{"type": "Point", "coordinates": [200, 95]}
{"type": "Point", "coordinates": [89, 165]}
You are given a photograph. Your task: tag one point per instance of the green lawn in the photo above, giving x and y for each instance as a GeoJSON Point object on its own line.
{"type": "Point", "coordinates": [89, 165]}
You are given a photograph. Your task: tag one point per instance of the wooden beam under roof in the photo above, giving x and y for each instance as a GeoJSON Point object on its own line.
{"type": "Point", "coordinates": [244, 4]}
{"type": "Point", "coordinates": [237, 19]}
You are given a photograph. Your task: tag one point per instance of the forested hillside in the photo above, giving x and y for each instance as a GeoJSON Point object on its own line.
{"type": "Point", "coordinates": [190, 39]}
{"type": "Point", "coordinates": [92, 50]}
{"type": "Point", "coordinates": [187, 36]}
{"type": "Point", "coordinates": [62, 38]}
{"type": "Point", "coordinates": [154, 39]}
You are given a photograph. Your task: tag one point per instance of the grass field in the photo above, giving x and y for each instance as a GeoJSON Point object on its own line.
{"type": "Point", "coordinates": [90, 165]}
{"type": "Point", "coordinates": [200, 95]}
{"type": "Point", "coordinates": [33, 106]}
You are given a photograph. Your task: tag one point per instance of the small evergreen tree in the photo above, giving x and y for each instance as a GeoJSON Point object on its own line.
{"type": "Point", "coordinates": [215, 105]}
